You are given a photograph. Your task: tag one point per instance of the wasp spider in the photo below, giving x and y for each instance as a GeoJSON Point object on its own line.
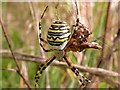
{"type": "Point", "coordinates": [61, 40]}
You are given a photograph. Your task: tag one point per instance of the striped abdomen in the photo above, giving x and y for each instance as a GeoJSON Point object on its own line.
{"type": "Point", "coordinates": [58, 35]}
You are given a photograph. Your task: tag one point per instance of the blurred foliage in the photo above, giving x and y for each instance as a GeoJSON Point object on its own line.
{"type": "Point", "coordinates": [19, 23]}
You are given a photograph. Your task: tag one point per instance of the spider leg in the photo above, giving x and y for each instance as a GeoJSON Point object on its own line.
{"type": "Point", "coordinates": [45, 49]}
{"type": "Point", "coordinates": [42, 40]}
{"type": "Point", "coordinates": [39, 31]}
{"type": "Point", "coordinates": [41, 68]}
{"type": "Point", "coordinates": [39, 34]}
{"type": "Point", "coordinates": [83, 80]}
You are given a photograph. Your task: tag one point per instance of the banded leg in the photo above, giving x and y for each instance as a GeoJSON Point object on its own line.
{"type": "Point", "coordinates": [39, 31]}
{"type": "Point", "coordinates": [45, 49]}
{"type": "Point", "coordinates": [41, 39]}
{"type": "Point", "coordinates": [41, 68]}
{"type": "Point", "coordinates": [83, 80]}
{"type": "Point", "coordinates": [40, 35]}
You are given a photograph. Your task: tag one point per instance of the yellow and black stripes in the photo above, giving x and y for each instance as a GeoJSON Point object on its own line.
{"type": "Point", "coordinates": [41, 68]}
{"type": "Point", "coordinates": [83, 80]}
{"type": "Point", "coordinates": [58, 33]}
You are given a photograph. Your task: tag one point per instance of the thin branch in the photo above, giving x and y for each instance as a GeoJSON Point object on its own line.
{"type": "Point", "coordinates": [9, 45]}
{"type": "Point", "coordinates": [22, 54]}
{"type": "Point", "coordinates": [118, 34]}
{"type": "Point", "coordinates": [77, 10]}
{"type": "Point", "coordinates": [104, 36]}
{"type": "Point", "coordinates": [9, 69]}
{"type": "Point", "coordinates": [16, 62]}
{"type": "Point", "coordinates": [95, 71]}
{"type": "Point", "coordinates": [32, 10]}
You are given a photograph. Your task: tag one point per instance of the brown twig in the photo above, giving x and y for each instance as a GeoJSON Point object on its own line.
{"type": "Point", "coordinates": [104, 36]}
{"type": "Point", "coordinates": [77, 9]}
{"type": "Point", "coordinates": [16, 62]}
{"type": "Point", "coordinates": [118, 35]}
{"type": "Point", "coordinates": [34, 17]}
{"type": "Point", "coordinates": [9, 69]}
{"type": "Point", "coordinates": [37, 59]}
{"type": "Point", "coordinates": [95, 71]}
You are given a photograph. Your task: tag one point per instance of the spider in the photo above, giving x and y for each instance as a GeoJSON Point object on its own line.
{"type": "Point", "coordinates": [61, 40]}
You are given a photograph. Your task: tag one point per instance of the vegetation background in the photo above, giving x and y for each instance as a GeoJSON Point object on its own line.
{"type": "Point", "coordinates": [21, 19]}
